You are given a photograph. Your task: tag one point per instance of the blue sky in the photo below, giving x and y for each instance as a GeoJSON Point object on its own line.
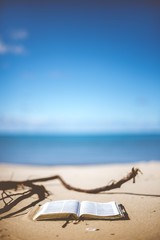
{"type": "Point", "coordinates": [79, 67]}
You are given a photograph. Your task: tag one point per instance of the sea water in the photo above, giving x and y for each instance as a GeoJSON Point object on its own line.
{"type": "Point", "coordinates": [79, 149]}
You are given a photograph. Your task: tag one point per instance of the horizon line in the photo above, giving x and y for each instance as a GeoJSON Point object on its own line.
{"type": "Point", "coordinates": [12, 133]}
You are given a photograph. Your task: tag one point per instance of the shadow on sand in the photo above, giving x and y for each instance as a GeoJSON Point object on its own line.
{"type": "Point", "coordinates": [41, 192]}
{"type": "Point", "coordinates": [134, 194]}
{"type": "Point", "coordinates": [10, 197]}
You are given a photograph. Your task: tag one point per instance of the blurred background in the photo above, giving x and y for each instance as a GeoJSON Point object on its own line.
{"type": "Point", "coordinates": [79, 81]}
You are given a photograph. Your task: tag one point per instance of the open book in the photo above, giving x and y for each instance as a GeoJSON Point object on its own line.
{"type": "Point", "coordinates": [74, 210]}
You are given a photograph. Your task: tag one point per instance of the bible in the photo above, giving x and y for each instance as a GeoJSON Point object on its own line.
{"type": "Point", "coordinates": [75, 210]}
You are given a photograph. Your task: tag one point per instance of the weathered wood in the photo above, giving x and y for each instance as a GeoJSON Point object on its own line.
{"type": "Point", "coordinates": [42, 192]}
{"type": "Point", "coordinates": [7, 185]}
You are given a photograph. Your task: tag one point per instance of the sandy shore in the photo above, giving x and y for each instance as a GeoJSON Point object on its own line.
{"type": "Point", "coordinates": [141, 201]}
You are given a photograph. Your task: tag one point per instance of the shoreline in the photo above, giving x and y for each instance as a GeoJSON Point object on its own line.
{"type": "Point", "coordinates": [141, 201]}
{"type": "Point", "coordinates": [43, 165]}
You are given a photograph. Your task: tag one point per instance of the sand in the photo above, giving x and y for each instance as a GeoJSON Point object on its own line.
{"type": "Point", "coordinates": [141, 201]}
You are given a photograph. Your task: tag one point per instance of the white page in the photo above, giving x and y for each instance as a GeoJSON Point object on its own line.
{"type": "Point", "coordinates": [87, 208]}
{"type": "Point", "coordinates": [99, 209]}
{"type": "Point", "coordinates": [64, 206]}
{"type": "Point", "coordinates": [70, 206]}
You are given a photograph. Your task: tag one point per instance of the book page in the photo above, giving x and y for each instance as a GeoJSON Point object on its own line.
{"type": "Point", "coordinates": [99, 209]}
{"type": "Point", "coordinates": [87, 208]}
{"type": "Point", "coordinates": [58, 207]}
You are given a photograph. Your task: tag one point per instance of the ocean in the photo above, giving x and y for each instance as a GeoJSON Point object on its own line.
{"type": "Point", "coordinates": [79, 149]}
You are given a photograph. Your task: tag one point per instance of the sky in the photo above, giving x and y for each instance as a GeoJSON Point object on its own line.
{"type": "Point", "coordinates": [79, 66]}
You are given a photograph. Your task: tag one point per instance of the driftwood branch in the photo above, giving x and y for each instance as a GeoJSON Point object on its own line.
{"type": "Point", "coordinates": [42, 192]}
{"type": "Point", "coordinates": [112, 185]}
{"type": "Point", "coordinates": [6, 185]}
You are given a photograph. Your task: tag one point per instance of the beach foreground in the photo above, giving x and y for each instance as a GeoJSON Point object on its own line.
{"type": "Point", "coordinates": [141, 201]}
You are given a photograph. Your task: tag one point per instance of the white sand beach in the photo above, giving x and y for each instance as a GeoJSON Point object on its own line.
{"type": "Point", "coordinates": [141, 201]}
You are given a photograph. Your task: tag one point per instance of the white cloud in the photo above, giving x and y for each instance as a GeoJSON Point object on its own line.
{"type": "Point", "coordinates": [19, 34]}
{"type": "Point", "coordinates": [11, 48]}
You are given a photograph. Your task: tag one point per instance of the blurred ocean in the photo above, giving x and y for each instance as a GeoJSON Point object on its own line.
{"type": "Point", "coordinates": [79, 149]}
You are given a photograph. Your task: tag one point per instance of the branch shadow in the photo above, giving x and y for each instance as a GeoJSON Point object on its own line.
{"type": "Point", "coordinates": [40, 191]}
{"type": "Point", "coordinates": [130, 193]}
{"type": "Point", "coordinates": [15, 198]}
